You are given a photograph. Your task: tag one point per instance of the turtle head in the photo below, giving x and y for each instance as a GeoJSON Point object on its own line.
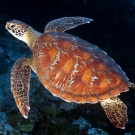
{"type": "Point", "coordinates": [22, 31]}
{"type": "Point", "coordinates": [17, 28]}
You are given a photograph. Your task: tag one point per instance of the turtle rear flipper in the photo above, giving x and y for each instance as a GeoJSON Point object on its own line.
{"type": "Point", "coordinates": [20, 77]}
{"type": "Point", "coordinates": [116, 111]}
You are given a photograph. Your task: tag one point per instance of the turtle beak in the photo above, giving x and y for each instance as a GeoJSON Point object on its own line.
{"type": "Point", "coordinates": [7, 24]}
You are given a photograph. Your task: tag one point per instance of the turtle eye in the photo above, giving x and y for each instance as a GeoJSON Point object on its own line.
{"type": "Point", "coordinates": [11, 26]}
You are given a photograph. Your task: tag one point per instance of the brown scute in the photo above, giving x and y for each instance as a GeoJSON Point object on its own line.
{"type": "Point", "coordinates": [100, 84]}
{"type": "Point", "coordinates": [80, 82]}
{"type": "Point", "coordinates": [87, 76]}
{"type": "Point", "coordinates": [60, 72]}
{"type": "Point", "coordinates": [46, 55]}
{"type": "Point", "coordinates": [66, 96]}
{"type": "Point", "coordinates": [91, 99]}
{"type": "Point", "coordinates": [86, 55]}
{"type": "Point", "coordinates": [68, 66]}
{"type": "Point", "coordinates": [79, 99]}
{"type": "Point", "coordinates": [64, 43]}
{"type": "Point", "coordinates": [44, 61]}
{"type": "Point", "coordinates": [47, 59]}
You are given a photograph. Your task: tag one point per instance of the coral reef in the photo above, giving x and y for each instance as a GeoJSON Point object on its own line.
{"type": "Point", "coordinates": [26, 128]}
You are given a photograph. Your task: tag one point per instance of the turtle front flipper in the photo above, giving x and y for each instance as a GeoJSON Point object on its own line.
{"type": "Point", "coordinates": [65, 23]}
{"type": "Point", "coordinates": [20, 77]}
{"type": "Point", "coordinates": [116, 111]}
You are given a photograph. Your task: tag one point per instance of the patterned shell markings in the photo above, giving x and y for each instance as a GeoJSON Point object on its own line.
{"type": "Point", "coordinates": [76, 70]}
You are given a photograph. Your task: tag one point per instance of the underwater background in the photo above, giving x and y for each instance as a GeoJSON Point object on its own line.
{"type": "Point", "coordinates": [113, 31]}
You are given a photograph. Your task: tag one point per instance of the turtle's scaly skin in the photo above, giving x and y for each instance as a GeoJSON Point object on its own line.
{"type": "Point", "coordinates": [76, 70]}
{"type": "Point", "coordinates": [20, 77]}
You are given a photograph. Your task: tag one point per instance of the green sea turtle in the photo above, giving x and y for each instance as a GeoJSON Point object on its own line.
{"type": "Point", "coordinates": [69, 67]}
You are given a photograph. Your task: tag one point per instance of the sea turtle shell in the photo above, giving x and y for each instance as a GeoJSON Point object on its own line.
{"type": "Point", "coordinates": [75, 70]}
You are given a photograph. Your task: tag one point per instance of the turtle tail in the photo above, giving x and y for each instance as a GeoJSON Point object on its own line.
{"type": "Point", "coordinates": [132, 85]}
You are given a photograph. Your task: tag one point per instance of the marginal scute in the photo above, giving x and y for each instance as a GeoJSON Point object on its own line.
{"type": "Point", "coordinates": [63, 43]}
{"type": "Point", "coordinates": [45, 38]}
{"type": "Point", "coordinates": [81, 53]}
{"type": "Point", "coordinates": [91, 99]}
{"type": "Point", "coordinates": [104, 96]}
{"type": "Point", "coordinates": [113, 78]}
{"type": "Point", "coordinates": [114, 91]}
{"type": "Point", "coordinates": [44, 82]}
{"type": "Point", "coordinates": [39, 72]}
{"type": "Point", "coordinates": [98, 63]}
{"type": "Point", "coordinates": [124, 86]}
{"type": "Point", "coordinates": [79, 99]}
{"type": "Point", "coordinates": [66, 96]}
{"type": "Point", "coordinates": [54, 91]}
